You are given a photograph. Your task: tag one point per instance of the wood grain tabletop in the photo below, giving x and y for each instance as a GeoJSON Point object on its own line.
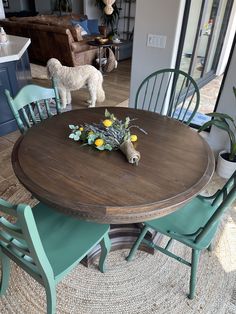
{"type": "Point", "coordinates": [176, 164]}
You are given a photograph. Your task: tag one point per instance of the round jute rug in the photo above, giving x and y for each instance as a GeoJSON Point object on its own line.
{"type": "Point", "coordinates": [148, 284]}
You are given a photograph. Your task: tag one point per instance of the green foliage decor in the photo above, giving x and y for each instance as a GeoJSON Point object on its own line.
{"type": "Point", "coordinates": [109, 134]}
{"type": "Point", "coordinates": [226, 123]}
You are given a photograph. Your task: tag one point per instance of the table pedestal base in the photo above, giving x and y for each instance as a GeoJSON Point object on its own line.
{"type": "Point", "coordinates": [122, 237]}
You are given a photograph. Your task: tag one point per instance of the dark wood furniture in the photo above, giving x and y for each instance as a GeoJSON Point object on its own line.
{"type": "Point", "coordinates": [176, 164]}
{"type": "Point", "coordinates": [101, 46]}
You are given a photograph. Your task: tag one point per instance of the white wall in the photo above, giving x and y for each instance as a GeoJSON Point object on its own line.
{"type": "Point", "coordinates": [78, 6]}
{"type": "Point", "coordinates": [150, 19]}
{"type": "Point", "coordinates": [91, 10]}
{"type": "Point", "coordinates": [2, 13]}
{"type": "Point", "coordinates": [43, 6]}
{"type": "Point", "coordinates": [228, 41]}
{"type": "Point", "coordinates": [14, 5]}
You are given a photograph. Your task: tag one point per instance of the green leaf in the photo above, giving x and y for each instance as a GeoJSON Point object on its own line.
{"type": "Point", "coordinates": [107, 113]}
{"type": "Point", "coordinates": [232, 151]}
{"type": "Point", "coordinates": [234, 90]}
{"type": "Point", "coordinates": [210, 123]}
{"type": "Point", "coordinates": [100, 147]}
{"type": "Point", "coordinates": [72, 135]}
{"type": "Point", "coordinates": [127, 136]}
{"type": "Point", "coordinates": [127, 121]}
{"type": "Point", "coordinates": [220, 115]}
{"type": "Point", "coordinates": [92, 137]}
{"type": "Point", "coordinates": [108, 147]}
{"type": "Point", "coordinates": [90, 141]}
{"type": "Point", "coordinates": [221, 125]}
{"type": "Point", "coordinates": [83, 136]}
{"type": "Point", "coordinates": [77, 137]}
{"type": "Point", "coordinates": [73, 127]}
{"type": "Point", "coordinates": [112, 117]}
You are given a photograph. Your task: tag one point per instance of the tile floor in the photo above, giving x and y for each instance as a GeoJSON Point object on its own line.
{"type": "Point", "coordinates": [10, 187]}
{"type": "Point", "coordinates": [209, 94]}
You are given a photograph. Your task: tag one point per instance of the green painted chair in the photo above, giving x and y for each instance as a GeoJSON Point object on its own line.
{"type": "Point", "coordinates": [46, 244]}
{"type": "Point", "coordinates": [31, 105]}
{"type": "Point", "coordinates": [194, 225]}
{"type": "Point", "coordinates": [170, 92]}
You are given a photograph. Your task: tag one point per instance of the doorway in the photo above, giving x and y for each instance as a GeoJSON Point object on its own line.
{"type": "Point", "coordinates": [204, 27]}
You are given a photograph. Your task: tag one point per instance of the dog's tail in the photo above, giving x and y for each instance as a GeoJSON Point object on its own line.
{"type": "Point", "coordinates": [100, 90]}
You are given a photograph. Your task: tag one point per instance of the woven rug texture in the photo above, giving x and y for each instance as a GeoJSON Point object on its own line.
{"type": "Point", "coordinates": [148, 284]}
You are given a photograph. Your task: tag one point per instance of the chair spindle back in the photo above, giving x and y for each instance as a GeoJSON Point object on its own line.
{"type": "Point", "coordinates": [32, 105]}
{"type": "Point", "coordinates": [20, 239]}
{"type": "Point", "coordinates": [222, 201]}
{"type": "Point", "coordinates": [170, 92]}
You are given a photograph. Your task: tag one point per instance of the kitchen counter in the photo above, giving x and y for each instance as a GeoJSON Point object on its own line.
{"type": "Point", "coordinates": [14, 74]}
{"type": "Point", "coordinates": [13, 49]}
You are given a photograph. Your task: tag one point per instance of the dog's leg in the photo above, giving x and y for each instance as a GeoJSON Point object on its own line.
{"type": "Point", "coordinates": [93, 94]}
{"type": "Point", "coordinates": [68, 97]}
{"type": "Point", "coordinates": [62, 93]}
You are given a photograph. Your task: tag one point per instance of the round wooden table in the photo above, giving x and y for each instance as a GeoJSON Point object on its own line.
{"type": "Point", "coordinates": [176, 164]}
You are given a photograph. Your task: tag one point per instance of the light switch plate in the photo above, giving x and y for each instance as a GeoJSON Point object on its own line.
{"type": "Point", "coordinates": [156, 41]}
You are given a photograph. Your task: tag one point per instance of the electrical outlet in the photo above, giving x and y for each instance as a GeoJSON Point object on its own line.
{"type": "Point", "coordinates": [156, 41]}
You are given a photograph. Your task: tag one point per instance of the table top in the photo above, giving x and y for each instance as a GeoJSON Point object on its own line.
{"type": "Point", "coordinates": [98, 44]}
{"type": "Point", "coordinates": [176, 164]}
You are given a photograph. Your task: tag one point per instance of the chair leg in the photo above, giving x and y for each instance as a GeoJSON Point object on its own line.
{"type": "Point", "coordinates": [194, 264]}
{"type": "Point", "coordinates": [5, 273]}
{"type": "Point", "coordinates": [210, 247]}
{"type": "Point", "coordinates": [106, 246]}
{"type": "Point", "coordinates": [50, 288]}
{"type": "Point", "coordinates": [168, 244]}
{"type": "Point", "coordinates": [136, 244]}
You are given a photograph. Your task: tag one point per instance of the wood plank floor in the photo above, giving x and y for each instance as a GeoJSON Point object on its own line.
{"type": "Point", "coordinates": [116, 86]}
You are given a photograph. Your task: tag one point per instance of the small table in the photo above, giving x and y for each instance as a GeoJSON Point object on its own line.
{"type": "Point", "coordinates": [100, 48]}
{"type": "Point", "coordinates": [123, 49]}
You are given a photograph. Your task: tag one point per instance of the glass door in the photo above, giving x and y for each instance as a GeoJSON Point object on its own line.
{"type": "Point", "coordinates": [204, 27]}
{"type": "Point", "coordinates": [207, 24]}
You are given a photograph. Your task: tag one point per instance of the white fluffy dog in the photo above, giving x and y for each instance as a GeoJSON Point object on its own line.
{"type": "Point", "coordinates": [74, 78]}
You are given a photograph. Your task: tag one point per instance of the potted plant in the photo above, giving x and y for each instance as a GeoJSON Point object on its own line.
{"type": "Point", "coordinates": [226, 163]}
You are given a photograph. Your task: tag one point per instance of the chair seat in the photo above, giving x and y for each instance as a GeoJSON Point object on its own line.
{"type": "Point", "coordinates": [58, 234]}
{"type": "Point", "coordinates": [187, 220]}
{"type": "Point", "coordinates": [194, 225]}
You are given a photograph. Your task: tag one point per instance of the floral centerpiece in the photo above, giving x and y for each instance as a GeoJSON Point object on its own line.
{"type": "Point", "coordinates": [110, 134]}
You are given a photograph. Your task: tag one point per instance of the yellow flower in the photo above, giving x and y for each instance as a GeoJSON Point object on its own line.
{"type": "Point", "coordinates": [90, 132]}
{"type": "Point", "coordinates": [81, 128]}
{"type": "Point", "coordinates": [133, 138]}
{"type": "Point", "coordinates": [107, 123]}
{"type": "Point", "coordinates": [99, 142]}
